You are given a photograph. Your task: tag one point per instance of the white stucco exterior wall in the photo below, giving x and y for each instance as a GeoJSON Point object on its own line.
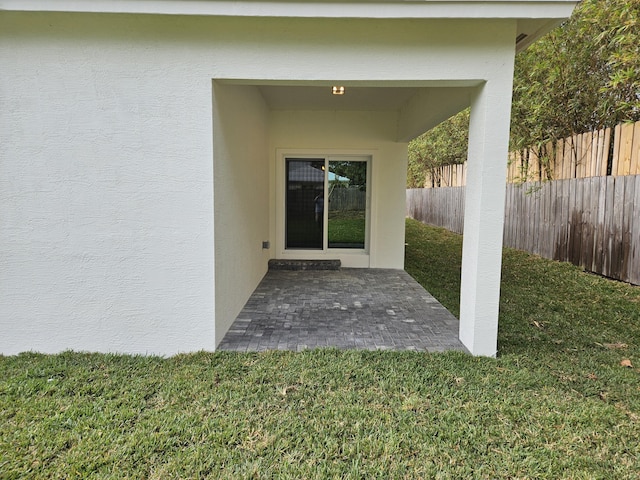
{"type": "Point", "coordinates": [105, 194]}
{"type": "Point", "coordinates": [107, 160]}
{"type": "Point", "coordinates": [355, 133]}
{"type": "Point", "coordinates": [241, 193]}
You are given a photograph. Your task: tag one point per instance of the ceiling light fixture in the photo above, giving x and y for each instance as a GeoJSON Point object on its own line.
{"type": "Point", "coordinates": [337, 90]}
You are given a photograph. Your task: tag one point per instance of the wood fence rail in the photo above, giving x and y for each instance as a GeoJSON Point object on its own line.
{"type": "Point", "coordinates": [591, 222]}
{"type": "Point", "coordinates": [590, 154]}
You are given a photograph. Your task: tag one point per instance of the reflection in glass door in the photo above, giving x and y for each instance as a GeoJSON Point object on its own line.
{"type": "Point", "coordinates": [305, 203]}
{"type": "Point", "coordinates": [347, 204]}
{"type": "Point", "coordinates": [326, 204]}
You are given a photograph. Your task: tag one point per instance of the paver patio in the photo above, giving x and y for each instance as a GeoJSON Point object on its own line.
{"type": "Point", "coordinates": [367, 309]}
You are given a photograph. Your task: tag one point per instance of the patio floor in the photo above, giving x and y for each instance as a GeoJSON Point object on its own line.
{"type": "Point", "coordinates": [366, 309]}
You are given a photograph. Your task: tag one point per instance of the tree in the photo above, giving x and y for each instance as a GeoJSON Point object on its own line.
{"type": "Point", "coordinates": [355, 174]}
{"type": "Point", "coordinates": [446, 144]}
{"type": "Point", "coordinates": [582, 76]}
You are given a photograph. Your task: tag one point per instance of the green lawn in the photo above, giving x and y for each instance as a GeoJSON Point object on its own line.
{"type": "Point", "coordinates": [346, 228]}
{"type": "Point", "coordinates": [556, 403]}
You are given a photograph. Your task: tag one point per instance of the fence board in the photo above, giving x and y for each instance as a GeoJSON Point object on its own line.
{"type": "Point", "coordinates": [605, 152]}
{"type": "Point", "coordinates": [634, 262]}
{"type": "Point", "coordinates": [557, 160]}
{"type": "Point", "coordinates": [589, 206]}
{"type": "Point", "coordinates": [574, 233]}
{"type": "Point", "coordinates": [535, 227]}
{"type": "Point", "coordinates": [585, 158]}
{"type": "Point", "coordinates": [534, 208]}
{"type": "Point", "coordinates": [571, 153]}
{"type": "Point", "coordinates": [598, 141]}
{"type": "Point", "coordinates": [589, 153]}
{"type": "Point", "coordinates": [584, 223]}
{"type": "Point", "coordinates": [563, 150]}
{"type": "Point", "coordinates": [510, 225]}
{"type": "Point", "coordinates": [609, 225]}
{"type": "Point", "coordinates": [538, 230]}
{"type": "Point", "coordinates": [543, 226]}
{"type": "Point", "coordinates": [574, 152]}
{"type": "Point", "coordinates": [634, 168]}
{"type": "Point", "coordinates": [521, 233]}
{"type": "Point", "coordinates": [615, 160]}
{"type": "Point", "coordinates": [618, 213]}
{"type": "Point", "coordinates": [510, 166]}
{"type": "Point", "coordinates": [545, 205]}
{"type": "Point", "coordinates": [525, 243]}
{"type": "Point", "coordinates": [580, 156]}
{"type": "Point", "coordinates": [531, 221]}
{"type": "Point", "coordinates": [566, 216]}
{"type": "Point", "coordinates": [626, 148]}
{"type": "Point", "coordinates": [598, 247]}
{"type": "Point", "coordinates": [627, 225]}
{"type": "Point", "coordinates": [552, 206]}
{"type": "Point", "coordinates": [586, 242]}
{"type": "Point", "coordinates": [515, 218]}
{"type": "Point", "coordinates": [559, 235]}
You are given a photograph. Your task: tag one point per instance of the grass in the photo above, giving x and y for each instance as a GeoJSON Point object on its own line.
{"type": "Point", "coordinates": [556, 403]}
{"type": "Point", "coordinates": [346, 228]}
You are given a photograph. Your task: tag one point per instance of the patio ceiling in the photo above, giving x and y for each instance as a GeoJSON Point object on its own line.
{"type": "Point", "coordinates": [279, 97]}
{"type": "Point", "coordinates": [419, 107]}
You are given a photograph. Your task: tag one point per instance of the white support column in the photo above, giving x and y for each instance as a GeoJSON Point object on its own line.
{"type": "Point", "coordinates": [484, 214]}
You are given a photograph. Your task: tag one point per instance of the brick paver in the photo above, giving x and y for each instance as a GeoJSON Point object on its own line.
{"type": "Point", "coordinates": [367, 309]}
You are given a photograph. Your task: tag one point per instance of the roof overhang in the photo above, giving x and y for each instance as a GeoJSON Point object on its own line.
{"type": "Point", "coordinates": [535, 17]}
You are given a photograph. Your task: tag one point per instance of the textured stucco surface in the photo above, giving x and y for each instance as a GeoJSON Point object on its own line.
{"type": "Point", "coordinates": [369, 134]}
{"type": "Point", "coordinates": [105, 192]}
{"type": "Point", "coordinates": [107, 162]}
{"type": "Point", "coordinates": [241, 192]}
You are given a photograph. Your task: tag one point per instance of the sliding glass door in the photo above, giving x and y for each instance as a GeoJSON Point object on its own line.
{"type": "Point", "coordinates": [326, 203]}
{"type": "Point", "coordinates": [347, 215]}
{"type": "Point", "coordinates": [305, 203]}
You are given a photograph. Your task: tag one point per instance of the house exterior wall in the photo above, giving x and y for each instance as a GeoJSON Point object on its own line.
{"type": "Point", "coordinates": [106, 180]}
{"type": "Point", "coordinates": [354, 133]}
{"type": "Point", "coordinates": [108, 166]}
{"type": "Point", "coordinates": [241, 192]}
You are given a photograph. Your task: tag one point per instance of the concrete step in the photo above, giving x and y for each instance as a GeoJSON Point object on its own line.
{"type": "Point", "coordinates": [275, 264]}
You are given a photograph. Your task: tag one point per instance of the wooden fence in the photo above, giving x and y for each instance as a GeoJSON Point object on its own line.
{"type": "Point", "coordinates": [443, 207]}
{"type": "Point", "coordinates": [347, 199]}
{"type": "Point", "coordinates": [591, 222]}
{"type": "Point", "coordinates": [590, 154]}
{"type": "Point", "coordinates": [447, 176]}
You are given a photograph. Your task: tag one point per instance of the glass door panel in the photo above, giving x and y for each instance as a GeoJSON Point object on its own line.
{"type": "Point", "coordinates": [347, 193]}
{"type": "Point", "coordinates": [305, 203]}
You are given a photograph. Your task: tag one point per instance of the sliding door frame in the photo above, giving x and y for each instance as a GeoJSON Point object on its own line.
{"type": "Point", "coordinates": [353, 257]}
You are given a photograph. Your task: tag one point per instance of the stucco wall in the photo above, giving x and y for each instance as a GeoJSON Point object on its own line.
{"type": "Point", "coordinates": [105, 193]}
{"type": "Point", "coordinates": [107, 159]}
{"type": "Point", "coordinates": [358, 132]}
{"type": "Point", "coordinates": [241, 193]}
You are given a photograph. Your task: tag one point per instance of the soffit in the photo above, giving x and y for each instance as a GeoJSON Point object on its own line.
{"type": "Point", "coordinates": [534, 17]}
{"type": "Point", "coordinates": [318, 8]}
